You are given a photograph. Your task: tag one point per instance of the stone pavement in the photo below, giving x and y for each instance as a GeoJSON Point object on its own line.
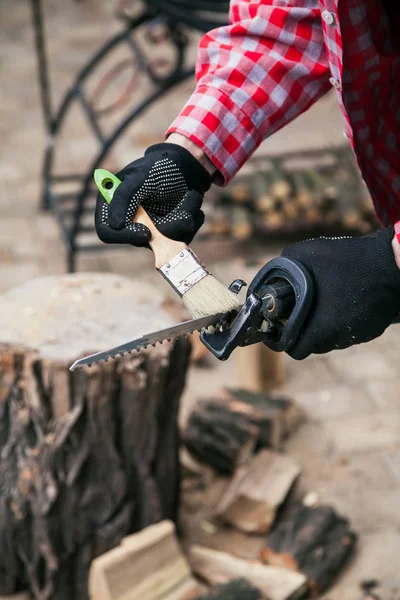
{"type": "Point", "coordinates": [350, 447]}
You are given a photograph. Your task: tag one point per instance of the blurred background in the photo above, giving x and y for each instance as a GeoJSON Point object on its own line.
{"type": "Point", "coordinates": [93, 83]}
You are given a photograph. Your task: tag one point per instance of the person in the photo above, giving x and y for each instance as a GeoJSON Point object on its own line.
{"type": "Point", "coordinates": [270, 64]}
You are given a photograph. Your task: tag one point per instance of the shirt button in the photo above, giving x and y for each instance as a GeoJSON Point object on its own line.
{"type": "Point", "coordinates": [335, 83]}
{"type": "Point", "coordinates": [328, 17]}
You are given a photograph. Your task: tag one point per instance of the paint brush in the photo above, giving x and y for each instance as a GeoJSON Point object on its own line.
{"type": "Point", "coordinates": [201, 293]}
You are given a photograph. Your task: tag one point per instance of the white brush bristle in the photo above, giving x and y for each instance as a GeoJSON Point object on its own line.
{"type": "Point", "coordinates": [210, 297]}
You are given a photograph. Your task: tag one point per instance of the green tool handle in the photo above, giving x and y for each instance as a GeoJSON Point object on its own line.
{"type": "Point", "coordinates": [164, 249]}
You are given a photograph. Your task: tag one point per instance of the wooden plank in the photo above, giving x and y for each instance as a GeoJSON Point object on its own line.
{"type": "Point", "coordinates": [148, 565]}
{"type": "Point", "coordinates": [257, 490]}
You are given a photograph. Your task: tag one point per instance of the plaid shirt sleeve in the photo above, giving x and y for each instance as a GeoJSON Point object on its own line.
{"type": "Point", "coordinates": [253, 77]}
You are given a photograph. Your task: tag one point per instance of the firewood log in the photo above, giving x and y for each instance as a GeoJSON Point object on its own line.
{"type": "Point", "coordinates": [265, 203]}
{"type": "Point", "coordinates": [257, 490]}
{"type": "Point", "coordinates": [303, 190]}
{"type": "Point", "coordinates": [276, 416]}
{"type": "Point", "coordinates": [241, 227]}
{"type": "Point", "coordinates": [219, 438]}
{"type": "Point", "coordinates": [304, 199]}
{"type": "Point", "coordinates": [314, 541]}
{"type": "Point", "coordinates": [331, 217]}
{"type": "Point", "coordinates": [351, 219]}
{"type": "Point", "coordinates": [240, 193]}
{"type": "Point", "coordinates": [291, 210]}
{"type": "Point", "coordinates": [364, 227]}
{"type": "Point", "coordinates": [274, 583]}
{"type": "Point", "coordinates": [223, 432]}
{"type": "Point", "coordinates": [329, 199]}
{"type": "Point", "coordinates": [366, 203]}
{"type": "Point", "coordinates": [219, 221]}
{"type": "Point", "coordinates": [148, 565]}
{"type": "Point", "coordinates": [281, 189]}
{"type": "Point", "coordinates": [273, 220]}
{"type": "Point", "coordinates": [313, 215]}
{"type": "Point", "coordinates": [90, 456]}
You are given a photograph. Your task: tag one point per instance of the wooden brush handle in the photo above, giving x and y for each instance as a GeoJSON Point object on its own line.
{"type": "Point", "coordinates": [163, 248]}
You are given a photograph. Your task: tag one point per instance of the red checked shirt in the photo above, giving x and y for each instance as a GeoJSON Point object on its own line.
{"type": "Point", "coordinates": [276, 58]}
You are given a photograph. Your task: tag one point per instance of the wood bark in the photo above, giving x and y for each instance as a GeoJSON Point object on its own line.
{"type": "Point", "coordinates": [216, 437]}
{"type": "Point", "coordinates": [237, 589]}
{"type": "Point", "coordinates": [90, 456]}
{"type": "Point", "coordinates": [314, 541]}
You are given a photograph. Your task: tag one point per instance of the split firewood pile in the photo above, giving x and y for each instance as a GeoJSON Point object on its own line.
{"type": "Point", "coordinates": [289, 194]}
{"type": "Point", "coordinates": [246, 534]}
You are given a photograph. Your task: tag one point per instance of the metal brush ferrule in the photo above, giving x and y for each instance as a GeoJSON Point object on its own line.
{"type": "Point", "coordinates": [183, 271]}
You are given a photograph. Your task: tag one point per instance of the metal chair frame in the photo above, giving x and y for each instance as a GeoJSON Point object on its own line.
{"type": "Point", "coordinates": [69, 208]}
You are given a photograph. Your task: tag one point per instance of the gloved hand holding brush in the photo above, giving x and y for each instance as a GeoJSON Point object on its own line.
{"type": "Point", "coordinates": [169, 182]}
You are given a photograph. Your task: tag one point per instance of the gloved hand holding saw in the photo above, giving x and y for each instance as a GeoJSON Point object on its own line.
{"type": "Point", "coordinates": [357, 290]}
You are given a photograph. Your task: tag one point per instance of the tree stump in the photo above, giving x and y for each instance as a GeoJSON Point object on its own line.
{"type": "Point", "coordinates": [90, 456]}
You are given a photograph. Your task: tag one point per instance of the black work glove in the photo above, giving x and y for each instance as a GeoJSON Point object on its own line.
{"type": "Point", "coordinates": [169, 183]}
{"type": "Point", "coordinates": [357, 291]}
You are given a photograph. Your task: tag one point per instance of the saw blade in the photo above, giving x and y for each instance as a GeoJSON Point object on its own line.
{"type": "Point", "coordinates": [152, 339]}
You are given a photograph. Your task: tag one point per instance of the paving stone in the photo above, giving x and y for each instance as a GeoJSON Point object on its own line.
{"type": "Point", "coordinates": [310, 441]}
{"type": "Point", "coordinates": [365, 432]}
{"type": "Point", "coordinates": [356, 364]}
{"type": "Point", "coordinates": [46, 227]}
{"type": "Point", "coordinates": [392, 464]}
{"type": "Point", "coordinates": [364, 471]}
{"type": "Point", "coordinates": [384, 395]}
{"type": "Point", "coordinates": [28, 247]}
{"type": "Point", "coordinates": [12, 230]}
{"type": "Point", "coordinates": [335, 401]}
{"type": "Point", "coordinates": [312, 374]}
